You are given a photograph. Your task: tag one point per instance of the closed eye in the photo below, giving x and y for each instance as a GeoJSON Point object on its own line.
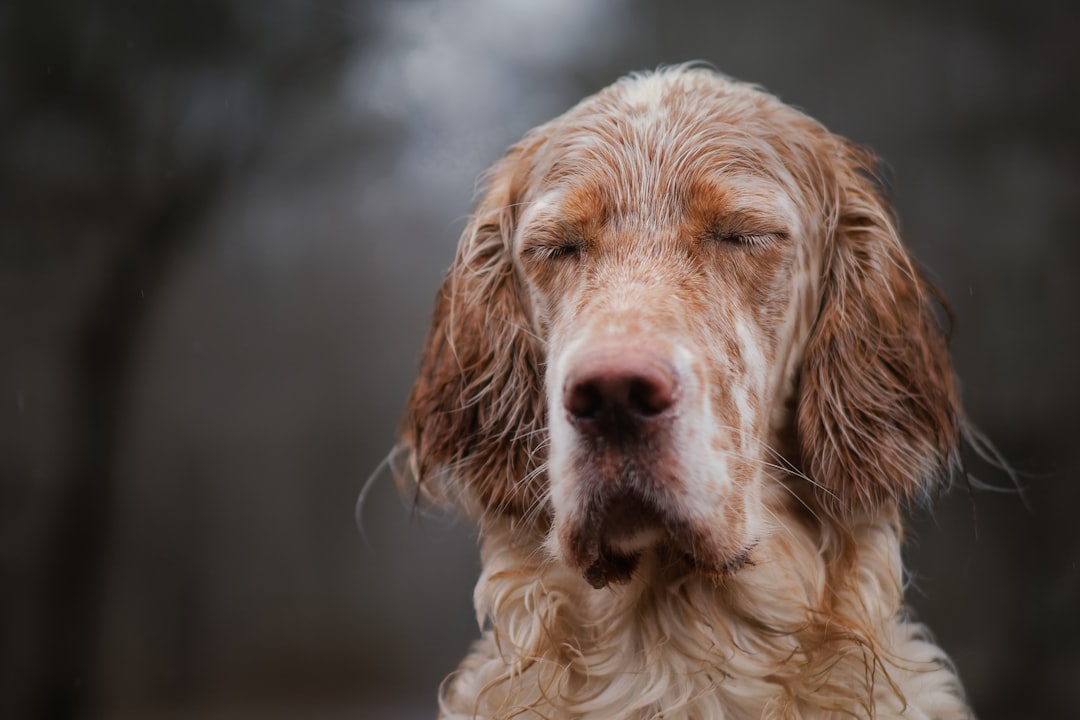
{"type": "Point", "coordinates": [552, 249]}
{"type": "Point", "coordinates": [749, 240]}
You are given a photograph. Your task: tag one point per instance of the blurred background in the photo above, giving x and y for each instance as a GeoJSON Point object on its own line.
{"type": "Point", "coordinates": [222, 224]}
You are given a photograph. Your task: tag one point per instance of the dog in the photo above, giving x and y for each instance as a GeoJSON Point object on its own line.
{"type": "Point", "coordinates": [685, 376]}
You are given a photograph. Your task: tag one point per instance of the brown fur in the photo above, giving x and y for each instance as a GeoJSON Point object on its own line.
{"type": "Point", "coordinates": [878, 417]}
{"type": "Point", "coordinates": [752, 532]}
{"type": "Point", "coordinates": [476, 411]}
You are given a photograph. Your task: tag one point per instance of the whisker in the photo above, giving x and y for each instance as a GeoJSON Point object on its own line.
{"type": "Point", "coordinates": [388, 462]}
{"type": "Point", "coordinates": [782, 464]}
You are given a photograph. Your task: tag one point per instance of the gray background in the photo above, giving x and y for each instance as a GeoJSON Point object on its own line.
{"type": "Point", "coordinates": [222, 223]}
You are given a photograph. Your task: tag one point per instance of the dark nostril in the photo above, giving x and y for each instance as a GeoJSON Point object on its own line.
{"type": "Point", "coordinates": [619, 387]}
{"type": "Point", "coordinates": [584, 399]}
{"type": "Point", "coordinates": [650, 395]}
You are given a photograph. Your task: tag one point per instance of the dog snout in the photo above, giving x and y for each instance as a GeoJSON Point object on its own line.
{"type": "Point", "coordinates": [615, 388]}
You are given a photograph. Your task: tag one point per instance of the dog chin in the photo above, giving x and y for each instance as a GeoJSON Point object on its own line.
{"type": "Point", "coordinates": [614, 558]}
{"type": "Point", "coordinates": [612, 566]}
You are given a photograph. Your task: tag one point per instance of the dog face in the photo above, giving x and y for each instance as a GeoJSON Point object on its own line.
{"type": "Point", "coordinates": [673, 301]}
{"type": "Point", "coordinates": [672, 298]}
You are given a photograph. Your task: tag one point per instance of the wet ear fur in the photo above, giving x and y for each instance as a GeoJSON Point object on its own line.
{"type": "Point", "coordinates": [878, 417]}
{"type": "Point", "coordinates": [475, 419]}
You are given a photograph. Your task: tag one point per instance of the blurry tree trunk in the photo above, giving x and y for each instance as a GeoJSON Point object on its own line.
{"type": "Point", "coordinates": [76, 556]}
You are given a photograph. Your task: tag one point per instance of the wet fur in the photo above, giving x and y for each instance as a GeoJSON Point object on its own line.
{"type": "Point", "coordinates": [793, 607]}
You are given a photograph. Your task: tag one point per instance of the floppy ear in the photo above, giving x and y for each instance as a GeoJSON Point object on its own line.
{"type": "Point", "coordinates": [475, 417]}
{"type": "Point", "coordinates": [878, 414]}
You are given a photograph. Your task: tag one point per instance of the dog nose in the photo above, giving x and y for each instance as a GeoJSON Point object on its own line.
{"type": "Point", "coordinates": [610, 388]}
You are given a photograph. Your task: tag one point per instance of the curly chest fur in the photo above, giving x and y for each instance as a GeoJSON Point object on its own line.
{"type": "Point", "coordinates": [771, 642]}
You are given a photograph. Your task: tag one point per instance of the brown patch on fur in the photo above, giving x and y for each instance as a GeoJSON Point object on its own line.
{"type": "Point", "coordinates": [878, 415]}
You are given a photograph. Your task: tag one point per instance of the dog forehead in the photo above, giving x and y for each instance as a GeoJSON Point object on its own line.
{"type": "Point", "coordinates": [647, 96]}
{"type": "Point", "coordinates": [638, 150]}
{"type": "Point", "coordinates": [670, 153]}
{"type": "Point", "coordinates": [669, 109]}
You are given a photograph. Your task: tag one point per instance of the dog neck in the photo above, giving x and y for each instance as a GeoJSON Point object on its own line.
{"type": "Point", "coordinates": [815, 624]}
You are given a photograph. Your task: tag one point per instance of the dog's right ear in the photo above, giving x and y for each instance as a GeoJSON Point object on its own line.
{"type": "Point", "coordinates": [475, 420]}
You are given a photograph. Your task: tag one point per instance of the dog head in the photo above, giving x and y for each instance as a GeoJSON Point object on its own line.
{"type": "Point", "coordinates": [670, 299]}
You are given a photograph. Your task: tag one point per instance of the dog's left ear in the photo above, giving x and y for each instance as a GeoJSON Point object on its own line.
{"type": "Point", "coordinates": [878, 417]}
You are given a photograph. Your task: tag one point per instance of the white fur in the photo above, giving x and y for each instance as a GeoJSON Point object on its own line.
{"type": "Point", "coordinates": [686, 647]}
